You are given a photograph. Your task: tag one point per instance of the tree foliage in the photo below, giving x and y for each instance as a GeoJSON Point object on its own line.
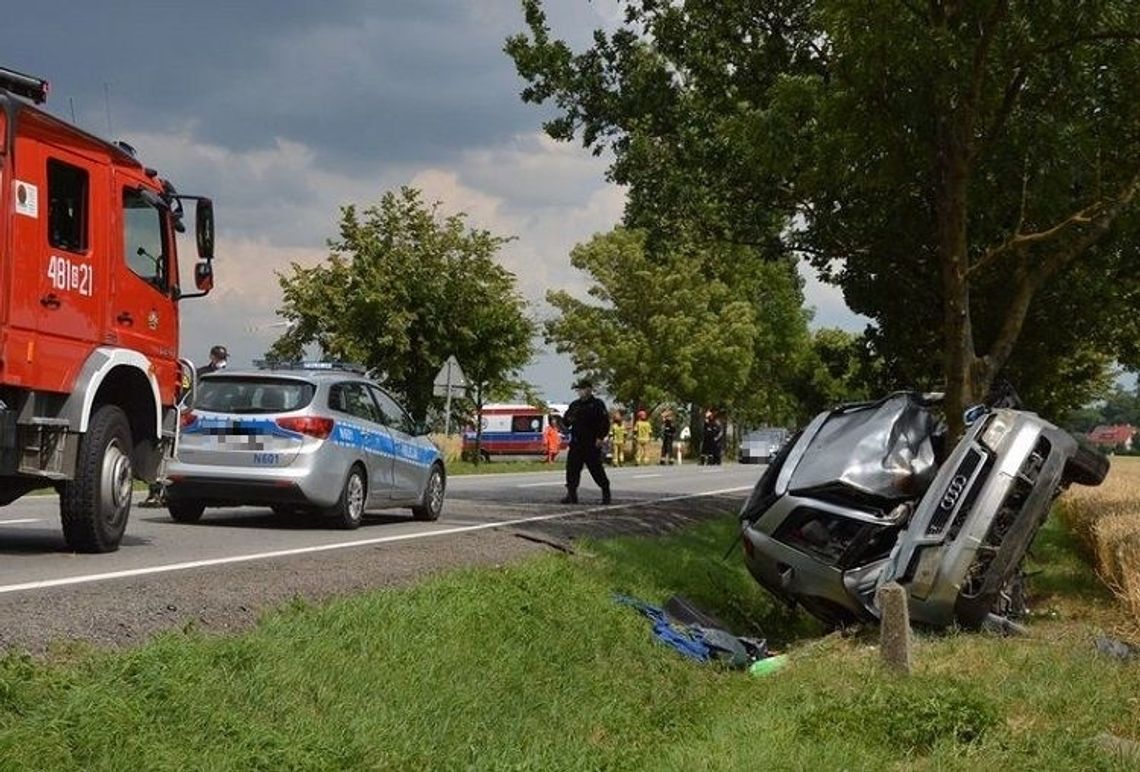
{"type": "Point", "coordinates": [957, 167]}
{"type": "Point", "coordinates": [401, 290]}
{"type": "Point", "coordinates": [710, 328]}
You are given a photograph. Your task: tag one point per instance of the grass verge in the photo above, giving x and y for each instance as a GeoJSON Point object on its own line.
{"type": "Point", "coordinates": [533, 666]}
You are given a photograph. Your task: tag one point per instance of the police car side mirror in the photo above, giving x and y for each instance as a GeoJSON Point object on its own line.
{"type": "Point", "coordinates": [204, 276]}
{"type": "Point", "coordinates": [204, 228]}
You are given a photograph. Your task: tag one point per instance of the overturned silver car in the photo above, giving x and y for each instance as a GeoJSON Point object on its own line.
{"type": "Point", "coordinates": [867, 494]}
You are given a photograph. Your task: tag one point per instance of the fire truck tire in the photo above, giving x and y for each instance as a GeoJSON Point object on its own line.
{"type": "Point", "coordinates": [185, 510]}
{"type": "Point", "coordinates": [95, 505]}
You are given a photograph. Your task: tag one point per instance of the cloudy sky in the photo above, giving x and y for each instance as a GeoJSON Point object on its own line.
{"type": "Point", "coordinates": [282, 112]}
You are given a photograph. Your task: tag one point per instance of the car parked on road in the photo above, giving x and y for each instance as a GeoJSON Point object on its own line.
{"type": "Point", "coordinates": [760, 446]}
{"type": "Point", "coordinates": [318, 438]}
{"type": "Point", "coordinates": [867, 494]}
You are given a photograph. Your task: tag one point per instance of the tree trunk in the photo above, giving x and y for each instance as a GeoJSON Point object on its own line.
{"type": "Point", "coordinates": [958, 356]}
{"type": "Point", "coordinates": [478, 425]}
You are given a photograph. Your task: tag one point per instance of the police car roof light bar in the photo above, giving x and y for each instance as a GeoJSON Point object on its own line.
{"type": "Point", "coordinates": [27, 86]}
{"type": "Point", "coordinates": [266, 364]}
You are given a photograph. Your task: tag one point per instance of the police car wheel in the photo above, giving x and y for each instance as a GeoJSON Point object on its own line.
{"type": "Point", "coordinates": [348, 512]}
{"type": "Point", "coordinates": [431, 504]}
{"type": "Point", "coordinates": [185, 510]}
{"type": "Point", "coordinates": [94, 506]}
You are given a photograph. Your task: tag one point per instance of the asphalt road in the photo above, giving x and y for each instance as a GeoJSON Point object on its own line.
{"type": "Point", "coordinates": [223, 571]}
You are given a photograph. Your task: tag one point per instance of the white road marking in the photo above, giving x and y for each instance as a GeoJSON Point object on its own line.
{"type": "Point", "coordinates": [24, 520]}
{"type": "Point", "coordinates": [88, 578]}
{"type": "Point", "coordinates": [643, 476]}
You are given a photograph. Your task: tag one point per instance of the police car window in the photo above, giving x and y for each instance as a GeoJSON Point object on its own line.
{"type": "Point", "coordinates": [142, 239]}
{"type": "Point", "coordinates": [394, 415]}
{"type": "Point", "coordinates": [252, 395]}
{"type": "Point", "coordinates": [67, 206]}
{"type": "Point", "coordinates": [353, 398]}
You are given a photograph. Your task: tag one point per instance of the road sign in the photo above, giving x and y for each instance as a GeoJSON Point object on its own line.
{"type": "Point", "coordinates": [450, 382]}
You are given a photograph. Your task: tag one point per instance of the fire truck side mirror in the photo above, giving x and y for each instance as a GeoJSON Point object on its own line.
{"type": "Point", "coordinates": [204, 229]}
{"type": "Point", "coordinates": [204, 276]}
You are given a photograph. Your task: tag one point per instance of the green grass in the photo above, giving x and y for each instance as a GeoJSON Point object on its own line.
{"type": "Point", "coordinates": [533, 666]}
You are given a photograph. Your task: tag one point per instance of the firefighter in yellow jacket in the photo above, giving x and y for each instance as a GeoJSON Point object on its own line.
{"type": "Point", "coordinates": [643, 431]}
{"type": "Point", "coordinates": [617, 439]}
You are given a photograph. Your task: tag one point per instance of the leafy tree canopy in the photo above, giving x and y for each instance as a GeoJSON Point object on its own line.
{"type": "Point", "coordinates": [401, 290]}
{"type": "Point", "coordinates": [957, 167]}
{"type": "Point", "coordinates": [716, 328]}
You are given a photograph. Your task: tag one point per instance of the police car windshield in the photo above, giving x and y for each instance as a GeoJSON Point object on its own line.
{"type": "Point", "coordinates": [252, 394]}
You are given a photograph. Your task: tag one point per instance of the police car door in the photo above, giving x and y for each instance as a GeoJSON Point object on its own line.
{"type": "Point", "coordinates": [364, 437]}
{"type": "Point", "coordinates": [410, 470]}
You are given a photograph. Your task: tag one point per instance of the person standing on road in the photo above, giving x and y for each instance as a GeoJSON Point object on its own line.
{"type": "Point", "coordinates": [552, 440]}
{"type": "Point", "coordinates": [643, 431]}
{"type": "Point", "coordinates": [667, 434]}
{"type": "Point", "coordinates": [617, 437]}
{"type": "Point", "coordinates": [218, 359]}
{"type": "Point", "coordinates": [710, 438]}
{"type": "Point", "coordinates": [588, 421]}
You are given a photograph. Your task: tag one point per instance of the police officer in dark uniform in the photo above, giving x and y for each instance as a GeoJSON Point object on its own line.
{"type": "Point", "coordinates": [218, 359]}
{"type": "Point", "coordinates": [588, 423]}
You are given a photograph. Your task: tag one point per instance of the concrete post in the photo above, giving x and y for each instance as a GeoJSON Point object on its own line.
{"type": "Point", "coordinates": [894, 629]}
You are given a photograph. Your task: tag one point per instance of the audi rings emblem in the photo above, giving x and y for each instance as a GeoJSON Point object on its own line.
{"type": "Point", "coordinates": [953, 492]}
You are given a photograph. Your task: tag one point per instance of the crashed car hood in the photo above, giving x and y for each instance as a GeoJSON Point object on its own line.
{"type": "Point", "coordinates": [883, 449]}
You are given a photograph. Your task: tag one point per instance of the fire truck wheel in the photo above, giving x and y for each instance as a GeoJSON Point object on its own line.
{"type": "Point", "coordinates": [94, 506]}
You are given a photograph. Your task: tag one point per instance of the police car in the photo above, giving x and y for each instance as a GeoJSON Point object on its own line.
{"type": "Point", "coordinates": [309, 438]}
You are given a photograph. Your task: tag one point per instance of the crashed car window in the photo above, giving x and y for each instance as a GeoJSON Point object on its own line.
{"type": "Point", "coordinates": [252, 395]}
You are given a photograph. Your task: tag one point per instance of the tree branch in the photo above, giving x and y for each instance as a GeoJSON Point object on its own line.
{"type": "Point", "coordinates": [1092, 37]}
{"type": "Point", "coordinates": [1009, 99]}
{"type": "Point", "coordinates": [1099, 214]}
{"type": "Point", "coordinates": [1028, 282]}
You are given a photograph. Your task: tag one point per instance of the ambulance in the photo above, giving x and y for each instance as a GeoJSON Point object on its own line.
{"type": "Point", "coordinates": [513, 430]}
{"type": "Point", "coordinates": [90, 377]}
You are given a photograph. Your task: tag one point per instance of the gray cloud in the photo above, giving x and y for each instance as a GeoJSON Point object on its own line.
{"type": "Point", "coordinates": [284, 111]}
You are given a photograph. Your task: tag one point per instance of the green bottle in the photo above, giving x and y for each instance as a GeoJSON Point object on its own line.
{"type": "Point", "coordinates": [763, 667]}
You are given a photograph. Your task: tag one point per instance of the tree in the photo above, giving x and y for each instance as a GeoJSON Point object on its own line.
{"type": "Point", "coordinates": [949, 164]}
{"type": "Point", "coordinates": [703, 328]}
{"type": "Point", "coordinates": [402, 289]}
{"type": "Point", "coordinates": [841, 367]}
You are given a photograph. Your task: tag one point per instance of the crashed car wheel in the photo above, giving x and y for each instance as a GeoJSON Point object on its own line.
{"type": "Point", "coordinates": [1086, 467]}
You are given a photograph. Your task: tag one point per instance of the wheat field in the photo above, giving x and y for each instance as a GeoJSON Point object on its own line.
{"type": "Point", "coordinates": [1106, 520]}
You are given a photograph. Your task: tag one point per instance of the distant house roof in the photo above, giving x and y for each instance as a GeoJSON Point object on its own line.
{"type": "Point", "coordinates": [1120, 434]}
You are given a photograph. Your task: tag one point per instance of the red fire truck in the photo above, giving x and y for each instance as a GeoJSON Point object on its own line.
{"type": "Point", "coordinates": [90, 376]}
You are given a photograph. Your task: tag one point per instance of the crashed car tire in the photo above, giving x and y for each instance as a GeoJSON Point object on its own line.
{"type": "Point", "coordinates": [1086, 467]}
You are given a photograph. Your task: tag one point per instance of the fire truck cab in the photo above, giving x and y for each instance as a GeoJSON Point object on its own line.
{"type": "Point", "coordinates": [90, 376]}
